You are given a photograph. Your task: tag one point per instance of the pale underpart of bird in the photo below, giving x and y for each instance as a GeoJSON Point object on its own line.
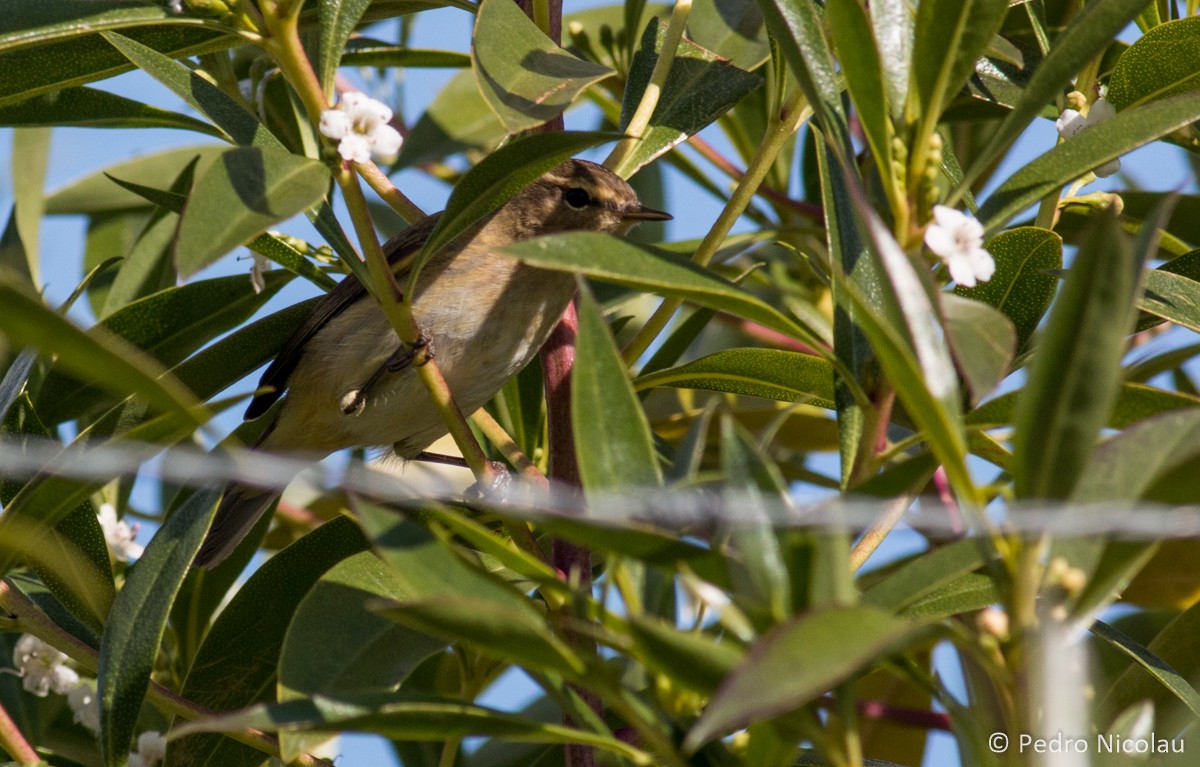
{"type": "Point", "coordinates": [486, 315]}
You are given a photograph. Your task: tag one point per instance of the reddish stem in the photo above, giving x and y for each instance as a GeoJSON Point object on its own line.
{"type": "Point", "coordinates": [14, 742]}
{"type": "Point", "coordinates": [708, 152]}
{"type": "Point", "coordinates": [917, 718]}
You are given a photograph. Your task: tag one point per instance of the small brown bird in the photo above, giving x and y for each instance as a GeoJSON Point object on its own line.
{"type": "Point", "coordinates": [486, 314]}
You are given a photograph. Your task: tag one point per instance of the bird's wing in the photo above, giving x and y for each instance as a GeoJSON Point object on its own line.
{"type": "Point", "coordinates": [334, 303]}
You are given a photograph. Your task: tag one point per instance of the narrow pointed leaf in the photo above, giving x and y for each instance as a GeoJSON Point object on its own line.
{"type": "Point", "coordinates": [616, 451]}
{"type": "Point", "coordinates": [609, 259]}
{"type": "Point", "coordinates": [700, 88]}
{"type": "Point", "coordinates": [235, 199]}
{"type": "Point", "coordinates": [338, 18]}
{"type": "Point", "coordinates": [1090, 31]}
{"type": "Point", "coordinates": [135, 629]}
{"type": "Point", "coordinates": [1074, 379]}
{"type": "Point", "coordinates": [951, 35]}
{"type": "Point", "coordinates": [1089, 149]}
{"type": "Point", "coordinates": [526, 78]}
{"type": "Point", "coordinates": [982, 341]}
{"type": "Point", "coordinates": [103, 360]}
{"type": "Point", "coordinates": [844, 639]}
{"type": "Point", "coordinates": [1027, 261]}
{"type": "Point", "coordinates": [238, 663]}
{"type": "Point", "coordinates": [767, 373]}
{"type": "Point", "coordinates": [91, 108]}
{"type": "Point", "coordinates": [1163, 62]}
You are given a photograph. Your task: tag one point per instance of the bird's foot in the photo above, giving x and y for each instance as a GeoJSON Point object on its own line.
{"type": "Point", "coordinates": [495, 491]}
{"type": "Point", "coordinates": [418, 353]}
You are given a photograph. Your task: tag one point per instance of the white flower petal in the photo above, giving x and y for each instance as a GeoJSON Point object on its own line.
{"type": "Point", "coordinates": [983, 265]}
{"type": "Point", "coordinates": [355, 147]}
{"type": "Point", "coordinates": [1069, 123]}
{"type": "Point", "coordinates": [1108, 168]}
{"type": "Point", "coordinates": [961, 270]}
{"type": "Point", "coordinates": [941, 241]}
{"type": "Point", "coordinates": [1101, 110]}
{"type": "Point", "coordinates": [385, 141]}
{"type": "Point", "coordinates": [335, 124]}
{"type": "Point", "coordinates": [152, 745]}
{"type": "Point", "coordinates": [85, 706]}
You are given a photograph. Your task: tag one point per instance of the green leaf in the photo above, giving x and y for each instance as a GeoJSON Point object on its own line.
{"type": "Point", "coordinates": [754, 486]}
{"type": "Point", "coordinates": [102, 359]}
{"type": "Point", "coordinates": [1173, 297]}
{"type": "Point", "coordinates": [893, 24]}
{"type": "Point", "coordinates": [524, 76]}
{"type": "Point", "coordinates": [442, 595]}
{"type": "Point", "coordinates": [1171, 655]}
{"type": "Point", "coordinates": [365, 52]}
{"type": "Point", "coordinates": [30, 156]}
{"type": "Point", "coordinates": [966, 593]}
{"type": "Point", "coordinates": [250, 189]}
{"type": "Point", "coordinates": [1089, 149]}
{"type": "Point", "coordinates": [1127, 465]}
{"type": "Point", "coordinates": [695, 660]}
{"type": "Point", "coordinates": [236, 665]}
{"type": "Point", "coordinates": [855, 43]}
{"type": "Point", "coordinates": [91, 108]}
{"type": "Point", "coordinates": [148, 268]}
{"type": "Point", "coordinates": [97, 193]}
{"type": "Point", "coordinates": [1027, 261]}
{"type": "Point", "coordinates": [72, 560]}
{"type": "Point", "coordinates": [241, 126]}
{"type": "Point", "coordinates": [951, 35]}
{"type": "Point", "coordinates": [767, 373]}
{"type": "Point", "coordinates": [700, 88]}
{"type": "Point", "coordinates": [40, 54]}
{"type": "Point", "coordinates": [165, 327]}
{"type": "Point", "coordinates": [1076, 372]}
{"type": "Point", "coordinates": [845, 639]}
{"type": "Point", "coordinates": [1135, 402]}
{"type": "Point", "coordinates": [499, 176]}
{"type": "Point", "coordinates": [406, 717]}
{"type": "Point", "coordinates": [982, 341]}
{"type": "Point", "coordinates": [925, 573]}
{"type": "Point", "coordinates": [1090, 31]}
{"type": "Point", "coordinates": [907, 337]}
{"type": "Point", "coordinates": [732, 29]}
{"type": "Point", "coordinates": [373, 653]}
{"type": "Point", "coordinates": [1163, 62]}
{"type": "Point", "coordinates": [798, 30]}
{"type": "Point", "coordinates": [138, 619]}
{"type": "Point", "coordinates": [609, 259]}
{"type": "Point", "coordinates": [276, 247]}
{"type": "Point", "coordinates": [616, 451]}
{"type": "Point", "coordinates": [1151, 664]}
{"type": "Point", "coordinates": [338, 20]}
{"type": "Point", "coordinates": [457, 120]}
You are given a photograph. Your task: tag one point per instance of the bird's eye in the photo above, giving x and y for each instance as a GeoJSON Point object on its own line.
{"type": "Point", "coordinates": [577, 198]}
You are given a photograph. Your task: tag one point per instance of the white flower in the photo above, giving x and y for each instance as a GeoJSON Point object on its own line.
{"type": "Point", "coordinates": [42, 668]}
{"type": "Point", "coordinates": [261, 266]}
{"type": "Point", "coordinates": [175, 6]}
{"type": "Point", "coordinates": [85, 705]}
{"type": "Point", "coordinates": [360, 126]}
{"type": "Point", "coordinates": [957, 239]}
{"type": "Point", "coordinates": [118, 534]}
{"type": "Point", "coordinates": [151, 748]}
{"type": "Point", "coordinates": [1071, 122]}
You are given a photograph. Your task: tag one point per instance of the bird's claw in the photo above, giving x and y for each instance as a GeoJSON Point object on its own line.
{"type": "Point", "coordinates": [496, 491]}
{"type": "Point", "coordinates": [418, 353]}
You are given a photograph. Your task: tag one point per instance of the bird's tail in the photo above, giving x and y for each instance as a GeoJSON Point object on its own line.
{"type": "Point", "coordinates": [240, 509]}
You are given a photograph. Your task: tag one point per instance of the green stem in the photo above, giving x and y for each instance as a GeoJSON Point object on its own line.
{"type": "Point", "coordinates": [658, 78]}
{"type": "Point", "coordinates": [284, 44]}
{"type": "Point", "coordinates": [794, 113]}
{"type": "Point", "coordinates": [388, 192]}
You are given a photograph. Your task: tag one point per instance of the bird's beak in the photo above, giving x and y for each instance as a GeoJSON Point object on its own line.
{"type": "Point", "coordinates": [642, 213]}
